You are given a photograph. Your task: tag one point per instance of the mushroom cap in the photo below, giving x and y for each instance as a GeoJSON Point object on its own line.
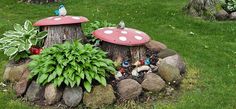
{"type": "Point", "coordinates": [61, 20]}
{"type": "Point", "coordinates": [126, 36]}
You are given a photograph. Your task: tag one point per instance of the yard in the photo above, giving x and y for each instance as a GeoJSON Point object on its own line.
{"type": "Point", "coordinates": [208, 47]}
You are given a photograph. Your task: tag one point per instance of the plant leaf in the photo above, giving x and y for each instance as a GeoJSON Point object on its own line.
{"type": "Point", "coordinates": [78, 80]}
{"type": "Point", "coordinates": [42, 78]}
{"type": "Point", "coordinates": [18, 28]}
{"type": "Point", "coordinates": [10, 51]}
{"type": "Point", "coordinates": [103, 81]}
{"type": "Point", "coordinates": [28, 25]}
{"type": "Point", "coordinates": [42, 35]}
{"type": "Point", "coordinates": [87, 86]}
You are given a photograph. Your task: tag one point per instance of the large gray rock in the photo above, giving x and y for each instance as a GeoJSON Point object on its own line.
{"type": "Point", "coordinates": [232, 16]}
{"type": "Point", "coordinates": [153, 82]}
{"type": "Point", "coordinates": [72, 96]}
{"type": "Point", "coordinates": [99, 96]}
{"type": "Point", "coordinates": [129, 88]}
{"type": "Point", "coordinates": [21, 86]}
{"type": "Point", "coordinates": [52, 94]}
{"type": "Point", "coordinates": [222, 15]}
{"type": "Point", "coordinates": [169, 73]}
{"type": "Point", "coordinates": [34, 92]}
{"type": "Point", "coordinates": [166, 52]}
{"type": "Point", "coordinates": [155, 46]}
{"type": "Point", "coordinates": [176, 61]}
{"type": "Point", "coordinates": [14, 72]}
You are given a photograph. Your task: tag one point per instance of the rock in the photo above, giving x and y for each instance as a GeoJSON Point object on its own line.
{"type": "Point", "coordinates": [232, 16]}
{"type": "Point", "coordinates": [129, 88]}
{"type": "Point", "coordinates": [14, 72]}
{"type": "Point", "coordinates": [34, 92]}
{"type": "Point", "coordinates": [169, 73]}
{"type": "Point", "coordinates": [222, 15]}
{"type": "Point", "coordinates": [72, 96]}
{"type": "Point", "coordinates": [99, 96]}
{"type": "Point", "coordinates": [52, 94]}
{"type": "Point", "coordinates": [155, 46]}
{"type": "Point", "coordinates": [176, 61]}
{"type": "Point", "coordinates": [166, 52]}
{"type": "Point", "coordinates": [21, 86]}
{"type": "Point", "coordinates": [153, 82]}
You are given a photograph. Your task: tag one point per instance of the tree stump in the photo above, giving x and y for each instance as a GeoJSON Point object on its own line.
{"type": "Point", "coordinates": [62, 33]}
{"type": "Point", "coordinates": [61, 29]}
{"type": "Point", "coordinates": [120, 52]}
{"type": "Point", "coordinates": [116, 52]}
{"type": "Point", "coordinates": [201, 8]}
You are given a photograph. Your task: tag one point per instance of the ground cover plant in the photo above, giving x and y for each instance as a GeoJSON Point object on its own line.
{"type": "Point", "coordinates": [72, 64]}
{"type": "Point", "coordinates": [208, 47]}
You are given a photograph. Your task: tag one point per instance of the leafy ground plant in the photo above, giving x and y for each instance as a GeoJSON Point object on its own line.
{"type": "Point", "coordinates": [16, 43]}
{"type": "Point", "coordinates": [71, 64]}
{"type": "Point", "coordinates": [94, 26]}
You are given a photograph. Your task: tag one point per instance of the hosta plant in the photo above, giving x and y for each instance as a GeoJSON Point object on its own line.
{"type": "Point", "coordinates": [229, 5]}
{"type": "Point", "coordinates": [72, 64]}
{"type": "Point", "coordinates": [94, 26]}
{"type": "Point", "coordinates": [16, 43]}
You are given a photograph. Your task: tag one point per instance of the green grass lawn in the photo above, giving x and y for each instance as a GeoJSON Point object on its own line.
{"type": "Point", "coordinates": [211, 51]}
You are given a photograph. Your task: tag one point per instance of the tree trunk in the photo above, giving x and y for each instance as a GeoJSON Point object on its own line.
{"type": "Point", "coordinates": [40, 1]}
{"type": "Point", "coordinates": [62, 33]}
{"type": "Point", "coordinates": [116, 52]}
{"type": "Point", "coordinates": [201, 8]}
{"type": "Point", "coordinates": [120, 52]}
{"type": "Point", "coordinates": [137, 53]}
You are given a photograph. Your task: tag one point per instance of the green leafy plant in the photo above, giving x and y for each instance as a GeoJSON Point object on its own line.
{"type": "Point", "coordinates": [229, 5]}
{"type": "Point", "coordinates": [71, 64]}
{"type": "Point", "coordinates": [94, 26]}
{"type": "Point", "coordinates": [16, 43]}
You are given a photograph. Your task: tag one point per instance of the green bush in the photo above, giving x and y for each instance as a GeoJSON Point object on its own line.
{"type": "Point", "coordinates": [71, 64]}
{"type": "Point", "coordinates": [16, 43]}
{"type": "Point", "coordinates": [229, 5]}
{"type": "Point", "coordinates": [94, 26]}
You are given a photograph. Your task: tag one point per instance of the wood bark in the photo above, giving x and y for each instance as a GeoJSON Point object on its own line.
{"type": "Point", "coordinates": [62, 33]}
{"type": "Point", "coordinates": [201, 8]}
{"type": "Point", "coordinates": [120, 52]}
{"type": "Point", "coordinates": [137, 53]}
{"type": "Point", "coordinates": [116, 52]}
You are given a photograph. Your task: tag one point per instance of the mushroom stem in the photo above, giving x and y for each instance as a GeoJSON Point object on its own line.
{"type": "Point", "coordinates": [121, 25]}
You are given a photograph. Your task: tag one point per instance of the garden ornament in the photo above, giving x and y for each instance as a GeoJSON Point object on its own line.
{"type": "Point", "coordinates": [61, 11]}
{"type": "Point", "coordinates": [121, 41]}
{"type": "Point", "coordinates": [135, 72]}
{"type": "Point", "coordinates": [147, 61]}
{"type": "Point", "coordinates": [125, 64]}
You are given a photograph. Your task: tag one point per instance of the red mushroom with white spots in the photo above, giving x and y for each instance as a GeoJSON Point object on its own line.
{"type": "Point", "coordinates": [62, 28]}
{"type": "Point", "coordinates": [121, 42]}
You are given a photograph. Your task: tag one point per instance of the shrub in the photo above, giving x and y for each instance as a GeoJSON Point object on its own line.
{"type": "Point", "coordinates": [71, 64]}
{"type": "Point", "coordinates": [229, 5]}
{"type": "Point", "coordinates": [16, 43]}
{"type": "Point", "coordinates": [94, 26]}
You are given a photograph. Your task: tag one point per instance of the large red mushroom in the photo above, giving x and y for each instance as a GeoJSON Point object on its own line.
{"type": "Point", "coordinates": [121, 42]}
{"type": "Point", "coordinates": [62, 28]}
